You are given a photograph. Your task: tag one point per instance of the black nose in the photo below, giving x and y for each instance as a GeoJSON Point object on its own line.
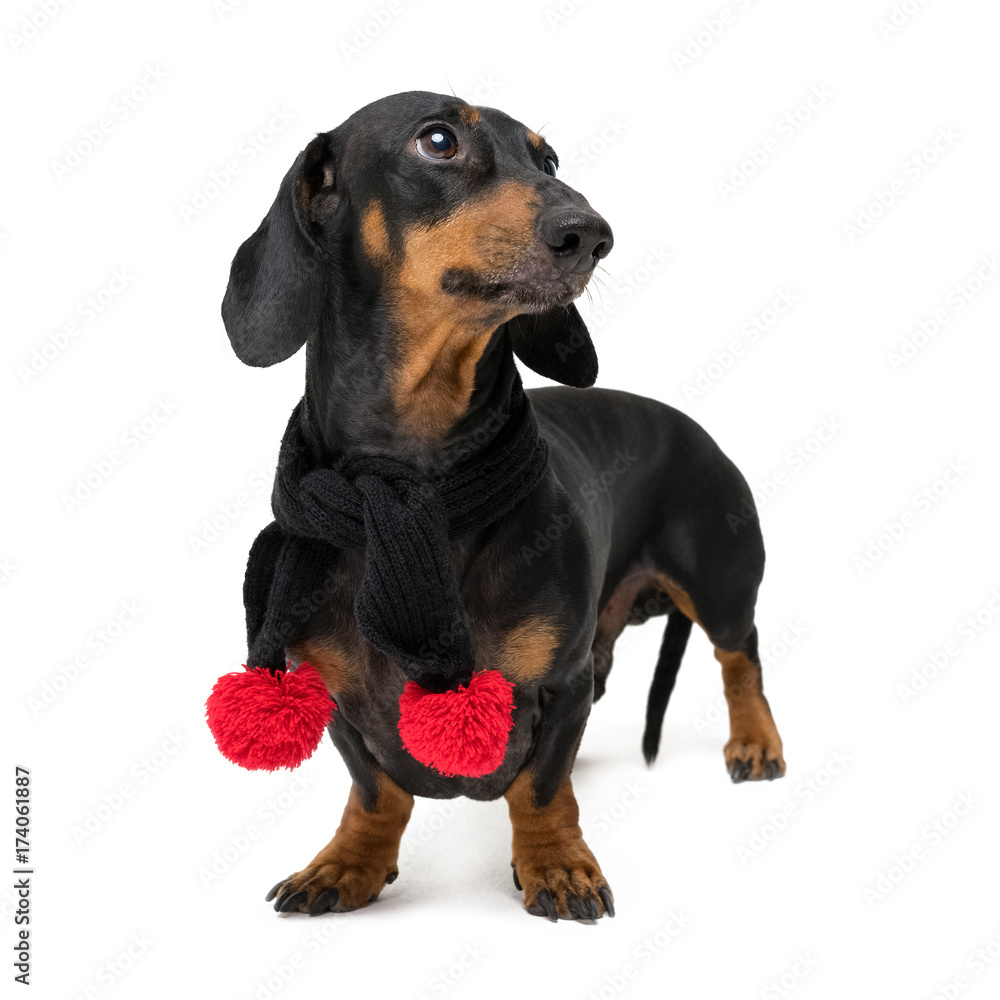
{"type": "Point", "coordinates": [578, 239]}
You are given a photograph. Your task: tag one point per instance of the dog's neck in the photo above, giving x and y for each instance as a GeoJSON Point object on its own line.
{"type": "Point", "coordinates": [349, 407]}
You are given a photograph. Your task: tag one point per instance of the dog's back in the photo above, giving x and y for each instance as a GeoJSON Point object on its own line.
{"type": "Point", "coordinates": [654, 488]}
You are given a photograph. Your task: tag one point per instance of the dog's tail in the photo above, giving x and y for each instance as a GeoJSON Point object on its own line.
{"type": "Point", "coordinates": [675, 638]}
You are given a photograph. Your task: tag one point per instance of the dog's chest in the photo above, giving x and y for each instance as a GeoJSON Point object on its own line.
{"type": "Point", "coordinates": [366, 685]}
{"type": "Point", "coordinates": [512, 630]}
{"type": "Point", "coordinates": [522, 643]}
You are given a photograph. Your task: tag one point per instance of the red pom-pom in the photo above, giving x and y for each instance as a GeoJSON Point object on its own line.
{"type": "Point", "coordinates": [459, 732]}
{"type": "Point", "coordinates": [263, 721]}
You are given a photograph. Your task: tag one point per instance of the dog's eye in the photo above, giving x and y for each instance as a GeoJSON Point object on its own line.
{"type": "Point", "coordinates": [549, 166]}
{"type": "Point", "coordinates": [437, 143]}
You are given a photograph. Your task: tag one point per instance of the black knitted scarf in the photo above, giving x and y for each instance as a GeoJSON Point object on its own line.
{"type": "Point", "coordinates": [408, 603]}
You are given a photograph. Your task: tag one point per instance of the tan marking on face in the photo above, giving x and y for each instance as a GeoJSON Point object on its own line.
{"type": "Point", "coordinates": [443, 335]}
{"type": "Point", "coordinates": [469, 115]}
{"type": "Point", "coordinates": [527, 649]}
{"type": "Point", "coordinates": [374, 235]}
{"type": "Point", "coordinates": [480, 235]}
{"type": "Point", "coordinates": [534, 138]}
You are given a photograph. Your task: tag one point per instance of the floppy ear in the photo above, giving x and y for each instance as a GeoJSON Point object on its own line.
{"type": "Point", "coordinates": [556, 344]}
{"type": "Point", "coordinates": [277, 284]}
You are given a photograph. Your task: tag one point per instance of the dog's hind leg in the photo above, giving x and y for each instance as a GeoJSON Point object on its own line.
{"type": "Point", "coordinates": [754, 750]}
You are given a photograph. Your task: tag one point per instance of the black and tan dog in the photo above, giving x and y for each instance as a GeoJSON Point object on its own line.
{"type": "Point", "coordinates": [415, 250]}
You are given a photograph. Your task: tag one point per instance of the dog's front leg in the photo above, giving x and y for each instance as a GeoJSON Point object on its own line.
{"type": "Point", "coordinates": [360, 859]}
{"type": "Point", "coordinates": [552, 863]}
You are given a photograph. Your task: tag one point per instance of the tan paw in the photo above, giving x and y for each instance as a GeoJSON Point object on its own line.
{"type": "Point", "coordinates": [330, 886]}
{"type": "Point", "coordinates": [563, 881]}
{"type": "Point", "coordinates": [753, 761]}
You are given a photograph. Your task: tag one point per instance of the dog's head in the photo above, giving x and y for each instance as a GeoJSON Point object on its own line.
{"type": "Point", "coordinates": [444, 219]}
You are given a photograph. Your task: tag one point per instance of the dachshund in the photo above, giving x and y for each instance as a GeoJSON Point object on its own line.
{"type": "Point", "coordinates": [416, 250]}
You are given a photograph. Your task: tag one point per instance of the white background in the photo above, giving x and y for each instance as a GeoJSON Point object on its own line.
{"type": "Point", "coordinates": [714, 900]}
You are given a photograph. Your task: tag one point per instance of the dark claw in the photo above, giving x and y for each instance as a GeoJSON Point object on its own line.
{"type": "Point", "coordinates": [773, 770]}
{"type": "Point", "coordinates": [287, 901]}
{"type": "Point", "coordinates": [577, 907]}
{"type": "Point", "coordinates": [740, 771]}
{"type": "Point", "coordinates": [274, 891]}
{"type": "Point", "coordinates": [607, 899]}
{"type": "Point", "coordinates": [517, 883]}
{"type": "Point", "coordinates": [593, 906]}
{"type": "Point", "coordinates": [391, 877]}
{"type": "Point", "coordinates": [373, 897]}
{"type": "Point", "coordinates": [323, 901]}
{"type": "Point", "coordinates": [544, 906]}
